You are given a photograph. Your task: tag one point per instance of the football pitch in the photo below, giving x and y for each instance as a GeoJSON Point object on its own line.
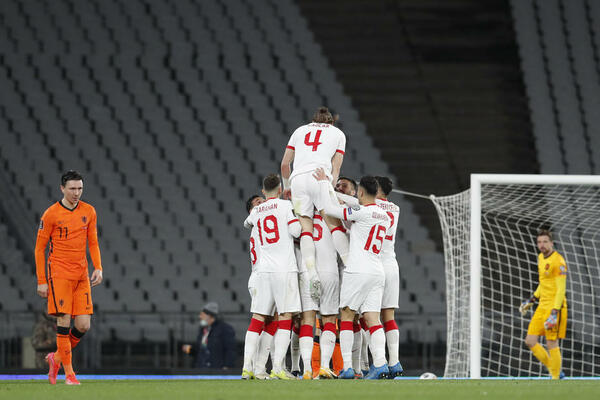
{"type": "Point", "coordinates": [335, 389]}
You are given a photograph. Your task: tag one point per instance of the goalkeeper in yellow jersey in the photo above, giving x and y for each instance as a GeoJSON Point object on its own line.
{"type": "Point", "coordinates": [550, 317]}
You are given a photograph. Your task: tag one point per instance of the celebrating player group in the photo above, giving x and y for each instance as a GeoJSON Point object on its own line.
{"type": "Point", "coordinates": [354, 297]}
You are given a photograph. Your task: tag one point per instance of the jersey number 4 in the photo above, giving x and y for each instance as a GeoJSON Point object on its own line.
{"type": "Point", "coordinates": [315, 143]}
{"type": "Point", "coordinates": [378, 231]}
{"type": "Point", "coordinates": [272, 230]}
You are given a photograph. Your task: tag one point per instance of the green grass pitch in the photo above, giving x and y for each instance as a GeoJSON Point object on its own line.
{"type": "Point", "coordinates": [314, 390]}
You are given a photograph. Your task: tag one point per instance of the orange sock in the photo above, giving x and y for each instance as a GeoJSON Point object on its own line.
{"type": "Point", "coordinates": [75, 337]}
{"type": "Point", "coordinates": [336, 359]}
{"type": "Point", "coordinates": [315, 360]}
{"type": "Point", "coordinates": [63, 352]}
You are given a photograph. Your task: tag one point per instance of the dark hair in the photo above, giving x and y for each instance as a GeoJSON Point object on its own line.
{"type": "Point", "coordinates": [545, 232]}
{"type": "Point", "coordinates": [369, 183]}
{"type": "Point", "coordinates": [323, 116]}
{"type": "Point", "coordinates": [352, 181]}
{"type": "Point", "coordinates": [70, 175]}
{"type": "Point", "coordinates": [249, 202]}
{"type": "Point", "coordinates": [385, 184]}
{"type": "Point", "coordinates": [271, 182]}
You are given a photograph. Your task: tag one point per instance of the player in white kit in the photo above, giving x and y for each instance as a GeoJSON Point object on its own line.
{"type": "Point", "coordinates": [391, 289]}
{"type": "Point", "coordinates": [276, 277]}
{"type": "Point", "coordinates": [327, 303]}
{"type": "Point", "coordinates": [315, 145]}
{"type": "Point", "coordinates": [256, 326]}
{"type": "Point", "coordinates": [364, 279]}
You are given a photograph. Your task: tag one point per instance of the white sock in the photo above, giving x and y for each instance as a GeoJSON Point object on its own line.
{"type": "Point", "coordinates": [306, 348]}
{"type": "Point", "coordinates": [364, 352]}
{"type": "Point", "coordinates": [346, 340]}
{"type": "Point", "coordinates": [378, 347]}
{"type": "Point", "coordinates": [340, 242]}
{"type": "Point", "coordinates": [281, 343]}
{"type": "Point", "coordinates": [250, 349]}
{"type": "Point", "coordinates": [392, 338]}
{"type": "Point", "coordinates": [307, 249]}
{"type": "Point", "coordinates": [356, 347]}
{"type": "Point", "coordinates": [265, 344]}
{"type": "Point", "coordinates": [327, 344]}
{"type": "Point", "coordinates": [295, 350]}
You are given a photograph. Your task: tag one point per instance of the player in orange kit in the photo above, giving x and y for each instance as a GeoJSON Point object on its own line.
{"type": "Point", "coordinates": [69, 224]}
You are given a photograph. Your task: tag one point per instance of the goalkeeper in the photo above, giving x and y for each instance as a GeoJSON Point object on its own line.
{"type": "Point", "coordinates": [550, 317]}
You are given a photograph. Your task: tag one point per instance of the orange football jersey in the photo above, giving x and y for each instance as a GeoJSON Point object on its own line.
{"type": "Point", "coordinates": [68, 231]}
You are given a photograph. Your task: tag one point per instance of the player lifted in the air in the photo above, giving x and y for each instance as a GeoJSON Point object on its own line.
{"type": "Point", "coordinates": [316, 145]}
{"type": "Point", "coordinates": [69, 225]}
{"type": "Point", "coordinates": [391, 291]}
{"type": "Point", "coordinates": [276, 276]}
{"type": "Point", "coordinates": [550, 317]}
{"type": "Point", "coordinates": [363, 281]}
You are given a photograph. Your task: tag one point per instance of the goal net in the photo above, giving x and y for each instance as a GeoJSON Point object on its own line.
{"type": "Point", "coordinates": [487, 279]}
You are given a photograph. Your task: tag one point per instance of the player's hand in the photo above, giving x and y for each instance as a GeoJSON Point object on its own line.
{"type": "Point", "coordinates": [552, 320]}
{"type": "Point", "coordinates": [526, 305]}
{"type": "Point", "coordinates": [186, 348]}
{"type": "Point", "coordinates": [42, 290]}
{"type": "Point", "coordinates": [96, 278]}
{"type": "Point", "coordinates": [287, 194]}
{"type": "Point", "coordinates": [319, 174]}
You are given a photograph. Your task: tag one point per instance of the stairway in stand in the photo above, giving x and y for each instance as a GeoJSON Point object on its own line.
{"type": "Point", "coordinates": [438, 85]}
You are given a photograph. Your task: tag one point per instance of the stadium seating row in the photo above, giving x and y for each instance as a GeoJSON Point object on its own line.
{"type": "Point", "coordinates": [173, 110]}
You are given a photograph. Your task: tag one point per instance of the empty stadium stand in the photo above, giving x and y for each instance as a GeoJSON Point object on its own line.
{"type": "Point", "coordinates": [173, 111]}
{"type": "Point", "coordinates": [559, 46]}
{"type": "Point", "coordinates": [437, 85]}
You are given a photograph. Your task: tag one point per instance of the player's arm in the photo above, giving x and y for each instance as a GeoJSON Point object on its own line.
{"type": "Point", "coordinates": [294, 227]}
{"type": "Point", "coordinates": [249, 221]}
{"type": "Point", "coordinates": [350, 201]}
{"type": "Point", "coordinates": [336, 164]}
{"type": "Point", "coordinates": [286, 169]}
{"type": "Point", "coordinates": [561, 287]}
{"type": "Point", "coordinates": [92, 237]}
{"type": "Point", "coordinates": [43, 236]}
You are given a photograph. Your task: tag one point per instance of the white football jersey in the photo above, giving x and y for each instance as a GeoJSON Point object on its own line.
{"type": "Point", "coordinates": [254, 248]}
{"type": "Point", "coordinates": [393, 211]}
{"type": "Point", "coordinates": [326, 255]}
{"type": "Point", "coordinates": [366, 239]}
{"type": "Point", "coordinates": [314, 146]}
{"type": "Point", "coordinates": [272, 219]}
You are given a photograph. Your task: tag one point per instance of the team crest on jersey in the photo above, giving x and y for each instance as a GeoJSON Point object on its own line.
{"type": "Point", "coordinates": [61, 302]}
{"type": "Point", "coordinates": [84, 219]}
{"type": "Point", "coordinates": [547, 267]}
{"type": "Point", "coordinates": [41, 228]}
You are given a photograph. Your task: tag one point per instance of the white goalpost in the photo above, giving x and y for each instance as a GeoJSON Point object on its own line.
{"type": "Point", "coordinates": [490, 254]}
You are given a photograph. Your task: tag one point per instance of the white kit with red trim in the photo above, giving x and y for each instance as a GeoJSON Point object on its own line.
{"type": "Point", "coordinates": [393, 211]}
{"type": "Point", "coordinates": [367, 238]}
{"type": "Point", "coordinates": [314, 146]}
{"type": "Point", "coordinates": [275, 223]}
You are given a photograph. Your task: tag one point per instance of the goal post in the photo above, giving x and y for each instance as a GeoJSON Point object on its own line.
{"type": "Point", "coordinates": [491, 266]}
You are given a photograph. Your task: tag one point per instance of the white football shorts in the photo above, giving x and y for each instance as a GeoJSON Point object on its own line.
{"type": "Point", "coordinates": [391, 289]}
{"type": "Point", "coordinates": [276, 290]}
{"type": "Point", "coordinates": [306, 195]}
{"type": "Point", "coordinates": [330, 293]}
{"type": "Point", "coordinates": [362, 292]}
